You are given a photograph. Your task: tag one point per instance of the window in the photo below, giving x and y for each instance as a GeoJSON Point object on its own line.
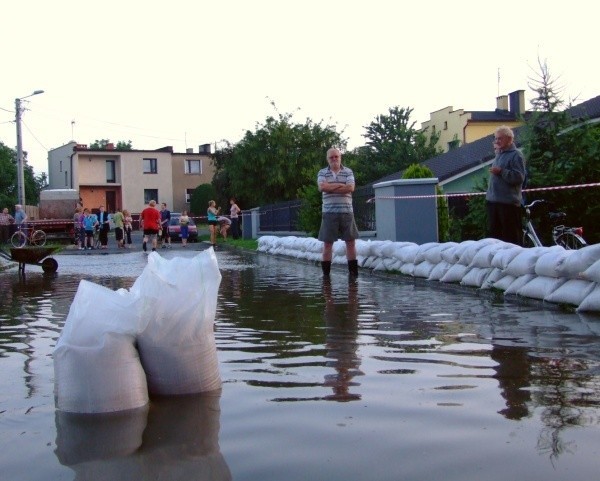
{"type": "Point", "coordinates": [66, 178]}
{"type": "Point", "coordinates": [60, 166]}
{"type": "Point", "coordinates": [453, 144]}
{"type": "Point", "coordinates": [445, 125]}
{"type": "Point", "coordinates": [188, 195]}
{"type": "Point", "coordinates": [193, 166]}
{"type": "Point", "coordinates": [150, 167]}
{"type": "Point", "coordinates": [110, 172]}
{"type": "Point", "coordinates": [150, 194]}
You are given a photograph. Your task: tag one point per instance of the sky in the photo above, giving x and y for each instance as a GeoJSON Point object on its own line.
{"type": "Point", "coordinates": [186, 73]}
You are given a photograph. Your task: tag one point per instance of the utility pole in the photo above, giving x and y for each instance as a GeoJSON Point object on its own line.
{"type": "Point", "coordinates": [20, 161]}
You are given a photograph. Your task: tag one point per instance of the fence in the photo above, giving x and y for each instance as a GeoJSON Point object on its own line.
{"type": "Point", "coordinates": [283, 216]}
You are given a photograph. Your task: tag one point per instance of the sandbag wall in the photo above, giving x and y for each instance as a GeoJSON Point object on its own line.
{"type": "Point", "coordinates": [551, 274]}
{"type": "Point", "coordinates": [116, 347]}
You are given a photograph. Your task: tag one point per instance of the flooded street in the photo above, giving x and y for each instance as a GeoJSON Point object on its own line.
{"type": "Point", "coordinates": [381, 378]}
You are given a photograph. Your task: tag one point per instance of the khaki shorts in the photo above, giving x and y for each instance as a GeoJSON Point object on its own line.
{"type": "Point", "coordinates": [337, 226]}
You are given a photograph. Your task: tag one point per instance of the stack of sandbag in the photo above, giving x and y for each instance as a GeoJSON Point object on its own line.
{"type": "Point", "coordinates": [117, 346]}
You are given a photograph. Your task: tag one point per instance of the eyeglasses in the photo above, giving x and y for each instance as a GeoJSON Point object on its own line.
{"type": "Point", "coordinates": [334, 156]}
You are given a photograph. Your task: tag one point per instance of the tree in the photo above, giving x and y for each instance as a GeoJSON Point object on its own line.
{"type": "Point", "coordinates": [200, 197]}
{"type": "Point", "coordinates": [393, 144]}
{"type": "Point", "coordinates": [103, 144]}
{"type": "Point", "coordinates": [562, 151]}
{"type": "Point", "coordinates": [275, 161]}
{"type": "Point", "coordinates": [8, 180]}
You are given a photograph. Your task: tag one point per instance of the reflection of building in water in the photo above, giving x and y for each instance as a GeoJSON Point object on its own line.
{"type": "Point", "coordinates": [341, 323]}
{"type": "Point", "coordinates": [176, 438]}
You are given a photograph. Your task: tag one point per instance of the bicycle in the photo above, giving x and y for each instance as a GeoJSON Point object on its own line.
{"type": "Point", "coordinates": [567, 237]}
{"type": "Point", "coordinates": [24, 236]}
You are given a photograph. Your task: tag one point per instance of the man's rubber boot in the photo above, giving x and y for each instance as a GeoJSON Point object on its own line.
{"type": "Point", "coordinates": [326, 266]}
{"type": "Point", "coordinates": [353, 268]}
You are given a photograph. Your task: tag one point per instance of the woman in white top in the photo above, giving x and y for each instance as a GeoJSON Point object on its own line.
{"type": "Point", "coordinates": [234, 212]}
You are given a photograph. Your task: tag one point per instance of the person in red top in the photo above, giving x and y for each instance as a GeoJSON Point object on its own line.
{"type": "Point", "coordinates": [150, 223]}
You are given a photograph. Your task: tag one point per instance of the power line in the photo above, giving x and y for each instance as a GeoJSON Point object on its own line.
{"type": "Point", "coordinates": [33, 135]}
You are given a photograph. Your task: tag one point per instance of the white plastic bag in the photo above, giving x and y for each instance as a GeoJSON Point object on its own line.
{"type": "Point", "coordinates": [96, 365]}
{"type": "Point", "coordinates": [177, 348]}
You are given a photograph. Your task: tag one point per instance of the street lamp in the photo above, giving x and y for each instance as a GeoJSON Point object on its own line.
{"type": "Point", "coordinates": [20, 162]}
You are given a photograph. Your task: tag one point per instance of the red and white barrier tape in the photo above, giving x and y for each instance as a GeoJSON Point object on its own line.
{"type": "Point", "coordinates": [469, 194]}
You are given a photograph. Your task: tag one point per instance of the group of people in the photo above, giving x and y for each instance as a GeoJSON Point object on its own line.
{"type": "Point", "coordinates": [504, 199]}
{"type": "Point", "coordinates": [89, 225]}
{"type": "Point", "coordinates": [9, 222]}
{"type": "Point", "coordinates": [222, 224]}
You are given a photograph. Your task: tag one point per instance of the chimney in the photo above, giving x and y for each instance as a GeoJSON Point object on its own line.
{"type": "Point", "coordinates": [204, 149]}
{"type": "Point", "coordinates": [110, 146]}
{"type": "Point", "coordinates": [189, 150]}
{"type": "Point", "coordinates": [517, 102]}
{"type": "Point", "coordinates": [502, 102]}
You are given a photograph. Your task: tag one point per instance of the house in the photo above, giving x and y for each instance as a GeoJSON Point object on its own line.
{"type": "Point", "coordinates": [129, 179]}
{"type": "Point", "coordinates": [460, 127]}
{"type": "Point", "coordinates": [459, 170]}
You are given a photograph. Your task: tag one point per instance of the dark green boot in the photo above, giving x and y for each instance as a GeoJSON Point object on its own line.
{"type": "Point", "coordinates": [326, 266]}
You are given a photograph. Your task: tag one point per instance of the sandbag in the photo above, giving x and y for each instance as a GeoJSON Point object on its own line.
{"type": "Point", "coordinates": [540, 287]}
{"type": "Point", "coordinates": [96, 365]}
{"type": "Point", "coordinates": [573, 292]}
{"type": "Point", "coordinates": [177, 347]}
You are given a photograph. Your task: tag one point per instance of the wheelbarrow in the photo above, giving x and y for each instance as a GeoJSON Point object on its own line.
{"type": "Point", "coordinates": [37, 256]}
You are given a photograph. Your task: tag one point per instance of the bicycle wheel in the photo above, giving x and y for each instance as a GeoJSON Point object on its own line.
{"type": "Point", "coordinates": [38, 238]}
{"type": "Point", "coordinates": [18, 239]}
{"type": "Point", "coordinates": [570, 241]}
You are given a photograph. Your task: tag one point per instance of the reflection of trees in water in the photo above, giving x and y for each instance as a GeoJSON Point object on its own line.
{"type": "Point", "coordinates": [566, 394]}
{"type": "Point", "coordinates": [341, 323]}
{"type": "Point", "coordinates": [558, 386]}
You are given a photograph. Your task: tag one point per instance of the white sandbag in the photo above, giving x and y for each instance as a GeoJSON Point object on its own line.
{"type": "Point", "coordinates": [339, 248]}
{"type": "Point", "coordinates": [177, 348]}
{"type": "Point", "coordinates": [540, 287]}
{"type": "Point", "coordinates": [592, 273]}
{"type": "Point", "coordinates": [452, 255]}
{"type": "Point", "coordinates": [591, 302]}
{"type": "Point", "coordinates": [483, 257]}
{"type": "Point", "coordinates": [524, 262]}
{"type": "Point", "coordinates": [378, 246]}
{"type": "Point", "coordinates": [363, 248]}
{"type": "Point", "coordinates": [467, 255]}
{"type": "Point", "coordinates": [407, 268]}
{"type": "Point", "coordinates": [378, 264]}
{"type": "Point", "coordinates": [503, 257]}
{"type": "Point", "coordinates": [573, 292]}
{"type": "Point", "coordinates": [519, 282]}
{"type": "Point", "coordinates": [494, 276]}
{"type": "Point", "coordinates": [504, 282]}
{"type": "Point", "coordinates": [439, 271]}
{"type": "Point", "coordinates": [103, 378]}
{"type": "Point", "coordinates": [455, 273]}
{"type": "Point", "coordinates": [369, 262]}
{"type": "Point", "coordinates": [549, 263]}
{"type": "Point", "coordinates": [423, 269]}
{"type": "Point", "coordinates": [96, 365]}
{"type": "Point", "coordinates": [391, 264]}
{"type": "Point", "coordinates": [392, 248]}
{"type": "Point", "coordinates": [409, 253]}
{"type": "Point", "coordinates": [580, 261]}
{"type": "Point", "coordinates": [475, 277]}
{"type": "Point", "coordinates": [422, 251]}
{"type": "Point", "coordinates": [434, 255]}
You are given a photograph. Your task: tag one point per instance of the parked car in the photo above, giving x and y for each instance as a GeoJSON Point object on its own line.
{"type": "Point", "coordinates": [175, 231]}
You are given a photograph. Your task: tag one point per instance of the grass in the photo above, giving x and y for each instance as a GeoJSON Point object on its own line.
{"type": "Point", "coordinates": [250, 244]}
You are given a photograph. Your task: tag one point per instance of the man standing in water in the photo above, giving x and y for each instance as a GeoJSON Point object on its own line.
{"type": "Point", "coordinates": [336, 183]}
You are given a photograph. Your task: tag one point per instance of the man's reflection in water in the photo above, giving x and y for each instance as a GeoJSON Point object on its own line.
{"type": "Point", "coordinates": [513, 373]}
{"type": "Point", "coordinates": [180, 441]}
{"type": "Point", "coordinates": [341, 323]}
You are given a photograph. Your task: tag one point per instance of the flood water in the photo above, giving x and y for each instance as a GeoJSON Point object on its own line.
{"type": "Point", "coordinates": [381, 378]}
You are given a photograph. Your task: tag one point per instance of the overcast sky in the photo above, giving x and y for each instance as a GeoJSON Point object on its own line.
{"type": "Point", "coordinates": [185, 73]}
